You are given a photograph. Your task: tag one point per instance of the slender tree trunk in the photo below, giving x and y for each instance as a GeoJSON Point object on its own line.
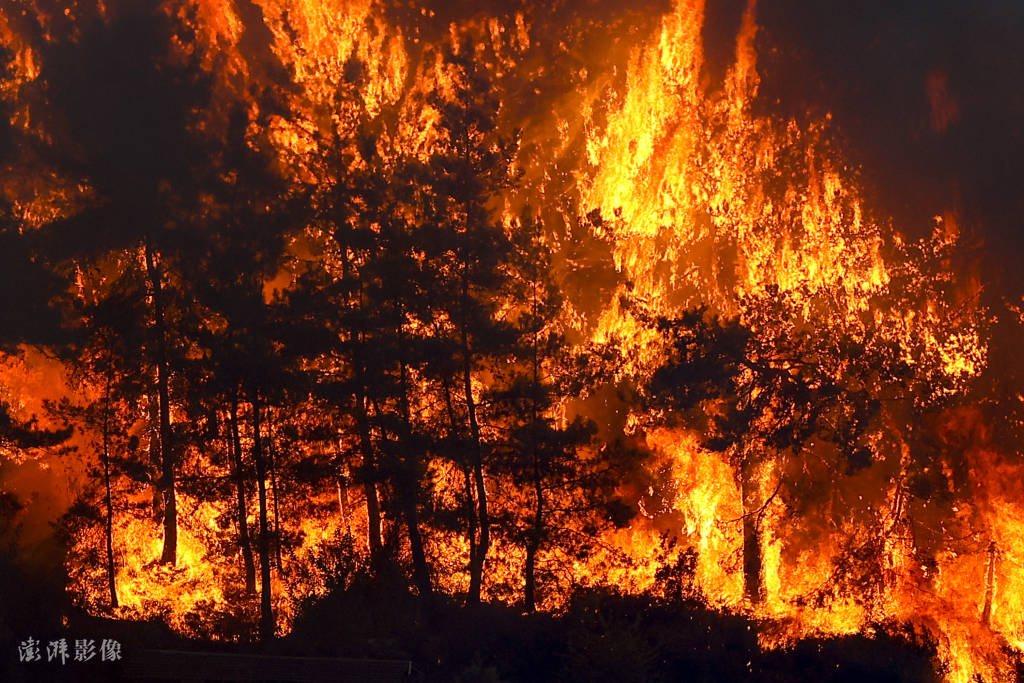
{"type": "Point", "coordinates": [389, 510]}
{"type": "Point", "coordinates": [235, 448]}
{"type": "Point", "coordinates": [266, 605]}
{"type": "Point", "coordinates": [467, 477]}
{"type": "Point", "coordinates": [369, 476]}
{"type": "Point", "coordinates": [752, 574]}
{"type": "Point", "coordinates": [533, 544]}
{"type": "Point", "coordinates": [421, 569]}
{"type": "Point", "coordinates": [990, 584]}
{"type": "Point", "coordinates": [342, 483]}
{"type": "Point", "coordinates": [530, 576]}
{"type": "Point", "coordinates": [536, 533]}
{"type": "Point", "coordinates": [167, 464]}
{"type": "Point", "coordinates": [111, 574]}
{"type": "Point", "coordinates": [470, 512]}
{"type": "Point", "coordinates": [155, 459]}
{"type": "Point", "coordinates": [272, 451]}
{"type": "Point", "coordinates": [409, 484]}
{"type": "Point", "coordinates": [476, 568]}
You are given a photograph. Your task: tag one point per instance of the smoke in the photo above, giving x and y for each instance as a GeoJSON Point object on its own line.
{"type": "Point", "coordinates": [927, 98]}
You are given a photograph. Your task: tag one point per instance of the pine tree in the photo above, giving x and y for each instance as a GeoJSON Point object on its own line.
{"type": "Point", "coordinates": [775, 390]}
{"type": "Point", "coordinates": [124, 130]}
{"type": "Point", "coordinates": [245, 224]}
{"type": "Point", "coordinates": [466, 257]}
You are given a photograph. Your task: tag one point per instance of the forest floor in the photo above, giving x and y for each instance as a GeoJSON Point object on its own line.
{"type": "Point", "coordinates": [599, 637]}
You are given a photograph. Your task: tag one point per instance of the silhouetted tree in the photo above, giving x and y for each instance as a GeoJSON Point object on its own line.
{"type": "Point", "coordinates": [564, 483]}
{"type": "Point", "coordinates": [466, 255]}
{"type": "Point", "coordinates": [124, 129]}
{"type": "Point", "coordinates": [247, 219]}
{"type": "Point", "coordinates": [776, 388]}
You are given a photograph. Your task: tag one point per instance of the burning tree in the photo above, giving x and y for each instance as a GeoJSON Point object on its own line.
{"type": "Point", "coordinates": [131, 148]}
{"type": "Point", "coordinates": [563, 484]}
{"type": "Point", "coordinates": [775, 393]}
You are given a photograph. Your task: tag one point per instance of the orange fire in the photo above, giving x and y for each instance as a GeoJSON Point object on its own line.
{"type": "Point", "coordinates": [703, 202]}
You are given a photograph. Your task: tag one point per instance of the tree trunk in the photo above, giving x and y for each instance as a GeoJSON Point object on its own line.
{"type": "Point", "coordinates": [470, 512]}
{"type": "Point", "coordinates": [409, 491]}
{"type": "Point", "coordinates": [272, 452]}
{"type": "Point", "coordinates": [467, 477]}
{"type": "Point", "coordinates": [111, 575]}
{"type": "Point", "coordinates": [529, 573]}
{"type": "Point", "coordinates": [752, 575]}
{"type": "Point", "coordinates": [266, 605]}
{"type": "Point", "coordinates": [342, 483]}
{"type": "Point", "coordinates": [476, 567]}
{"type": "Point", "coordinates": [155, 459]}
{"type": "Point", "coordinates": [235, 448]}
{"type": "Point", "coordinates": [536, 533]}
{"type": "Point", "coordinates": [369, 473]}
{"type": "Point", "coordinates": [421, 569]}
{"type": "Point", "coordinates": [369, 477]}
{"type": "Point", "coordinates": [990, 584]}
{"type": "Point", "coordinates": [390, 511]}
{"type": "Point", "coordinates": [533, 544]}
{"type": "Point", "coordinates": [167, 464]}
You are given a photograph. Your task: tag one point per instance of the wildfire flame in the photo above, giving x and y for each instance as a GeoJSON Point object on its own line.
{"type": "Point", "coordinates": [703, 202]}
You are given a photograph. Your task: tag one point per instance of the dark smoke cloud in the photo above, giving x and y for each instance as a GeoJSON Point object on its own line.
{"type": "Point", "coordinates": [928, 98]}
